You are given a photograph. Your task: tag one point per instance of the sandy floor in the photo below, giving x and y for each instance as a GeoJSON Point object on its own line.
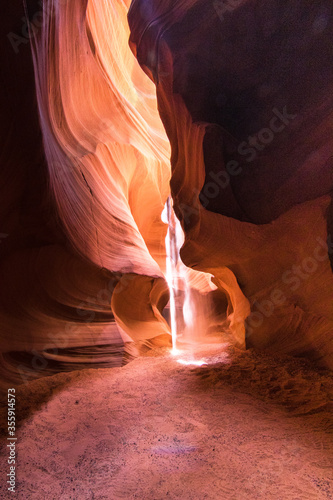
{"type": "Point", "coordinates": [244, 426]}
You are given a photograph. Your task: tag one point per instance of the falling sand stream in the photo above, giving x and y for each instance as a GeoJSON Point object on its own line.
{"type": "Point", "coordinates": [190, 310]}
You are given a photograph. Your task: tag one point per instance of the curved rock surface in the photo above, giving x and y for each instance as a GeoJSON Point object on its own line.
{"type": "Point", "coordinates": [85, 176]}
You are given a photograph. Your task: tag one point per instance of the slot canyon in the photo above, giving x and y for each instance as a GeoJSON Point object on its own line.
{"type": "Point", "coordinates": [166, 249]}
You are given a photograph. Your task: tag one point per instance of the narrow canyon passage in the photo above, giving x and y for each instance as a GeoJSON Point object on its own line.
{"type": "Point", "coordinates": [166, 249]}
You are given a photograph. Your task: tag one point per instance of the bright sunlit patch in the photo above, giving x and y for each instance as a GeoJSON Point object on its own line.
{"type": "Point", "coordinates": [192, 362]}
{"type": "Point", "coordinates": [175, 351]}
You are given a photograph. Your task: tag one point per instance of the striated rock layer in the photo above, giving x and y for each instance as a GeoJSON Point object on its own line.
{"type": "Point", "coordinates": [85, 171]}
{"type": "Point", "coordinates": [245, 94]}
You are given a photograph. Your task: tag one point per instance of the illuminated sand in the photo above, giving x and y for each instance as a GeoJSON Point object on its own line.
{"type": "Point", "coordinates": [244, 427]}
